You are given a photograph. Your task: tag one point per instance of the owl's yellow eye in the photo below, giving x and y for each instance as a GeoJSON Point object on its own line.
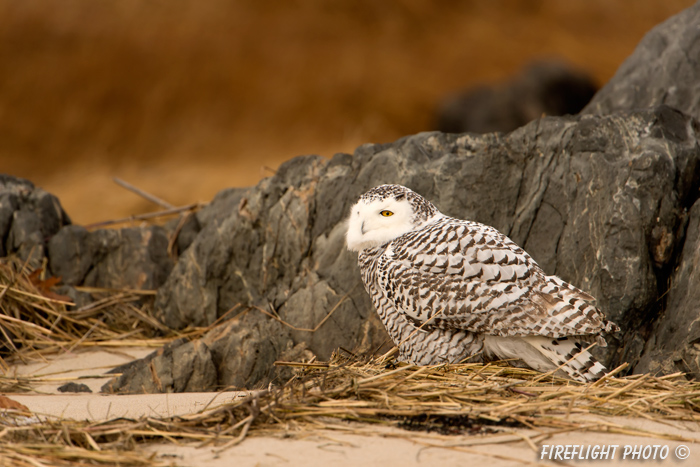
{"type": "Point", "coordinates": [386, 213]}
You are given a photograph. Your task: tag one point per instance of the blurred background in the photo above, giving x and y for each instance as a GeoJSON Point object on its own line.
{"type": "Point", "coordinates": [183, 98]}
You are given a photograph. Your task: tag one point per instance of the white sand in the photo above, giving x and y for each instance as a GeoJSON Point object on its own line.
{"type": "Point", "coordinates": [86, 366]}
{"type": "Point", "coordinates": [398, 448]}
{"type": "Point", "coordinates": [89, 368]}
{"type": "Point", "coordinates": [346, 445]}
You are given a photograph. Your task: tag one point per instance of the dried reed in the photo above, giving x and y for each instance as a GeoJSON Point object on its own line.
{"type": "Point", "coordinates": [36, 321]}
{"type": "Point", "coordinates": [464, 398]}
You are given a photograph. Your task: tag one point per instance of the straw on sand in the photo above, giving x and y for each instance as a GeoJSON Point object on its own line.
{"type": "Point", "coordinates": [349, 394]}
{"type": "Point", "coordinates": [35, 321]}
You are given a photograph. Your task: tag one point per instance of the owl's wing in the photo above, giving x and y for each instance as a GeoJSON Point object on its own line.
{"type": "Point", "coordinates": [460, 274]}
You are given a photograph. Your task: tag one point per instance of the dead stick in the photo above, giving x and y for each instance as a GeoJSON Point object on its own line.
{"type": "Point", "coordinates": [141, 217]}
{"type": "Point", "coordinates": [143, 194]}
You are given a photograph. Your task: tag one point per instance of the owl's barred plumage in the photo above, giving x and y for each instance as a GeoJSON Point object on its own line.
{"type": "Point", "coordinates": [447, 289]}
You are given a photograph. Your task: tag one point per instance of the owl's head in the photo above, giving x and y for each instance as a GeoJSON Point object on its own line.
{"type": "Point", "coordinates": [384, 213]}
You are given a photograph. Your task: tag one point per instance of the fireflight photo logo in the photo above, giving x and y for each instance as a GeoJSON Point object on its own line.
{"type": "Point", "coordinates": [631, 452]}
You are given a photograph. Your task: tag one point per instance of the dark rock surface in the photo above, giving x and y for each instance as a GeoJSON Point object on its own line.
{"type": "Point", "coordinates": [664, 69]}
{"type": "Point", "coordinates": [547, 88]}
{"type": "Point", "coordinates": [237, 354]}
{"type": "Point", "coordinates": [74, 387]}
{"type": "Point", "coordinates": [34, 226]}
{"type": "Point", "coordinates": [179, 366]}
{"type": "Point", "coordinates": [129, 258]}
{"type": "Point", "coordinates": [29, 216]}
{"type": "Point", "coordinates": [126, 258]}
{"type": "Point", "coordinates": [674, 343]}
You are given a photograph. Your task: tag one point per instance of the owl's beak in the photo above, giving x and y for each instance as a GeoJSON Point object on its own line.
{"type": "Point", "coordinates": [362, 228]}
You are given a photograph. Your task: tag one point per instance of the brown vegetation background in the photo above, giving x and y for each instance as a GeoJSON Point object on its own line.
{"type": "Point", "coordinates": [184, 98]}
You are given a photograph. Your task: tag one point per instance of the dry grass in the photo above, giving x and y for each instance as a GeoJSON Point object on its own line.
{"type": "Point", "coordinates": [489, 400]}
{"type": "Point", "coordinates": [35, 321]}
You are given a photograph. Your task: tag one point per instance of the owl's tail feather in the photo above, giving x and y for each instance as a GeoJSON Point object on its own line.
{"type": "Point", "coordinates": [567, 355]}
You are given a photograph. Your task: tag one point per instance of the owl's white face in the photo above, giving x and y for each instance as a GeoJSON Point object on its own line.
{"type": "Point", "coordinates": [377, 222]}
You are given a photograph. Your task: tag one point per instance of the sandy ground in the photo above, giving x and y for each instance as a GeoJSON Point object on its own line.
{"type": "Point", "coordinates": [339, 444]}
{"type": "Point", "coordinates": [89, 368]}
{"type": "Point", "coordinates": [399, 448]}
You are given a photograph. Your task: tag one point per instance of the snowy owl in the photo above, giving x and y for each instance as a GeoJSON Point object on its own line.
{"type": "Point", "coordinates": [447, 289]}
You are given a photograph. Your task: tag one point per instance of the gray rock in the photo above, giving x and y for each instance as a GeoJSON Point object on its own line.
{"type": "Point", "coordinates": [244, 349]}
{"type": "Point", "coordinates": [596, 200]}
{"type": "Point", "coordinates": [34, 226]}
{"type": "Point", "coordinates": [189, 228]}
{"type": "Point", "coordinates": [29, 217]}
{"type": "Point", "coordinates": [238, 354]}
{"type": "Point", "coordinates": [8, 206]}
{"type": "Point", "coordinates": [131, 258]}
{"type": "Point", "coordinates": [254, 251]}
{"type": "Point", "coordinates": [225, 202]}
{"type": "Point", "coordinates": [71, 254]}
{"type": "Point", "coordinates": [664, 69]}
{"type": "Point", "coordinates": [674, 343]}
{"type": "Point", "coordinates": [180, 366]}
{"type": "Point", "coordinates": [26, 237]}
{"type": "Point", "coordinates": [74, 387]}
